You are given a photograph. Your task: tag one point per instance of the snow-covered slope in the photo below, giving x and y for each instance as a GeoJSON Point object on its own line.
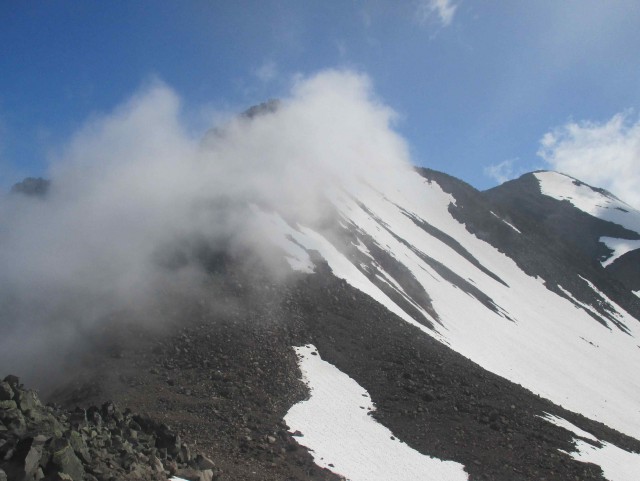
{"type": "Point", "coordinates": [401, 246]}
{"type": "Point", "coordinates": [597, 203]}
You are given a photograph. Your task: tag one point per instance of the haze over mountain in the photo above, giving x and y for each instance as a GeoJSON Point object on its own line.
{"type": "Point", "coordinates": [442, 332]}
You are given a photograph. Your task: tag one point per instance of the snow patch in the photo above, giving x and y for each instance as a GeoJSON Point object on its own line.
{"type": "Point", "coordinates": [563, 423]}
{"type": "Point", "coordinates": [619, 247]}
{"type": "Point", "coordinates": [341, 435]}
{"type": "Point", "coordinates": [617, 464]}
{"type": "Point", "coordinates": [594, 202]}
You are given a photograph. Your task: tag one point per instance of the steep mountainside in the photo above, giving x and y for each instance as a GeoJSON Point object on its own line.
{"type": "Point", "coordinates": [339, 315]}
{"type": "Point", "coordinates": [589, 220]}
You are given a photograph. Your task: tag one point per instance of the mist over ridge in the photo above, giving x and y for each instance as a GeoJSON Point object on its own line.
{"type": "Point", "coordinates": [134, 185]}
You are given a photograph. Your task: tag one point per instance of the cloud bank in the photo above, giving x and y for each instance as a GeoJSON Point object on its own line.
{"type": "Point", "coordinates": [603, 154]}
{"type": "Point", "coordinates": [134, 191]}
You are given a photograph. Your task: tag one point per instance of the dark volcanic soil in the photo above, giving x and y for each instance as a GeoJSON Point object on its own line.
{"type": "Point", "coordinates": [222, 373]}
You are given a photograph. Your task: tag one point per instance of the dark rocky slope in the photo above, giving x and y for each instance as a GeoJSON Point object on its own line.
{"type": "Point", "coordinates": [223, 374]}
{"type": "Point", "coordinates": [580, 231]}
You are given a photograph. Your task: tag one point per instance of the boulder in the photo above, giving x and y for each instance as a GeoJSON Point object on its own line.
{"type": "Point", "coordinates": [79, 446]}
{"type": "Point", "coordinates": [14, 381]}
{"type": "Point", "coordinates": [13, 419]}
{"type": "Point", "coordinates": [6, 393]}
{"type": "Point", "coordinates": [27, 401]}
{"type": "Point", "coordinates": [8, 404]}
{"type": "Point", "coordinates": [25, 459]}
{"type": "Point", "coordinates": [78, 418]}
{"type": "Point", "coordinates": [66, 461]}
{"type": "Point", "coordinates": [206, 475]}
{"type": "Point", "coordinates": [189, 474]}
{"type": "Point", "coordinates": [202, 462]}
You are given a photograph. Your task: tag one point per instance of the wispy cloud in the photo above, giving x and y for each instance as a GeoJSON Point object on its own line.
{"type": "Point", "coordinates": [605, 154]}
{"type": "Point", "coordinates": [444, 10]}
{"type": "Point", "coordinates": [267, 71]}
{"type": "Point", "coordinates": [502, 171]}
{"type": "Point", "coordinates": [136, 195]}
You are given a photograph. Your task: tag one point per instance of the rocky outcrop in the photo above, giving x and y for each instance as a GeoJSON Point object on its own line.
{"type": "Point", "coordinates": [39, 442]}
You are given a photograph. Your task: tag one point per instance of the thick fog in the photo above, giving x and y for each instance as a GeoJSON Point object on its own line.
{"type": "Point", "coordinates": [134, 186]}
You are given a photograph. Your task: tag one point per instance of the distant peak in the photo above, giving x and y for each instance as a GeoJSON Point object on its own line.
{"type": "Point", "coordinates": [543, 175]}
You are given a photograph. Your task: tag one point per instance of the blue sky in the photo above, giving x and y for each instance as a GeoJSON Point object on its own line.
{"type": "Point", "coordinates": [476, 84]}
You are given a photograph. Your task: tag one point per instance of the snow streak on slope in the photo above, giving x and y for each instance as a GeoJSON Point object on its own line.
{"type": "Point", "coordinates": [596, 203]}
{"type": "Point", "coordinates": [337, 428]}
{"type": "Point", "coordinates": [488, 309]}
{"type": "Point", "coordinates": [617, 464]}
{"type": "Point", "coordinates": [614, 312]}
{"type": "Point", "coordinates": [339, 264]}
{"type": "Point", "coordinates": [276, 230]}
{"type": "Point", "coordinates": [509, 224]}
{"type": "Point", "coordinates": [619, 247]}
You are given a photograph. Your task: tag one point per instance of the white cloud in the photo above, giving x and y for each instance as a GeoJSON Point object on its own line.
{"type": "Point", "coordinates": [443, 9]}
{"type": "Point", "coordinates": [134, 194]}
{"type": "Point", "coordinates": [267, 71]}
{"type": "Point", "coordinates": [603, 154]}
{"type": "Point", "coordinates": [503, 171]}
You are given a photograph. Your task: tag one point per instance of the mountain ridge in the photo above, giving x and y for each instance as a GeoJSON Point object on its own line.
{"type": "Point", "coordinates": [465, 316]}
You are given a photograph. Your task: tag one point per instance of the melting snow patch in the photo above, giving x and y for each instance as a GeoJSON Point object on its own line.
{"type": "Point", "coordinates": [563, 423]}
{"type": "Point", "coordinates": [617, 464]}
{"type": "Point", "coordinates": [619, 247]}
{"type": "Point", "coordinates": [337, 428]}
